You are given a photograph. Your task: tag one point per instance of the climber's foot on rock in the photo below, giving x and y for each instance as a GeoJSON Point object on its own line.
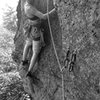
{"type": "Point", "coordinates": [24, 62]}
{"type": "Point", "coordinates": [36, 81]}
{"type": "Point", "coordinates": [29, 74]}
{"type": "Point", "coordinates": [30, 82]}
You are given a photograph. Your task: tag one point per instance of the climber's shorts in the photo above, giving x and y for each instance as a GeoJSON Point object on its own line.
{"type": "Point", "coordinates": [32, 32]}
{"type": "Point", "coordinates": [36, 39]}
{"type": "Point", "coordinates": [36, 45]}
{"type": "Point", "coordinates": [29, 40]}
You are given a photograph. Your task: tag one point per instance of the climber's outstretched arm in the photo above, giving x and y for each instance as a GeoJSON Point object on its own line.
{"type": "Point", "coordinates": [50, 12]}
{"type": "Point", "coordinates": [41, 15]}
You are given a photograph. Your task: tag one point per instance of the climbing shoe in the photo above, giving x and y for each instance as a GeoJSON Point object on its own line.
{"type": "Point", "coordinates": [36, 81]}
{"type": "Point", "coordinates": [24, 62]}
{"type": "Point", "coordinates": [29, 74]}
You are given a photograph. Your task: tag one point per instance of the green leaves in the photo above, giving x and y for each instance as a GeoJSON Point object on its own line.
{"type": "Point", "coordinates": [10, 19]}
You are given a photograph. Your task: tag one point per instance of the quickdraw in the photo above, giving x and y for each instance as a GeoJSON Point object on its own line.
{"type": "Point", "coordinates": [67, 58]}
{"type": "Point", "coordinates": [70, 59]}
{"type": "Point", "coordinates": [70, 62]}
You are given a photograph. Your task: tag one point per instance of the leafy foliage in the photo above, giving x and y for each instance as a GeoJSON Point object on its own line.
{"type": "Point", "coordinates": [6, 47]}
{"type": "Point", "coordinates": [10, 83]}
{"type": "Point", "coordinates": [10, 19]}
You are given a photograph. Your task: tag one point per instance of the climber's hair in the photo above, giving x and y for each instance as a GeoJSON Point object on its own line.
{"type": "Point", "coordinates": [30, 1]}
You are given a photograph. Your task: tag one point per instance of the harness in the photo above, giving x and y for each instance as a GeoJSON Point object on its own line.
{"type": "Point", "coordinates": [34, 24]}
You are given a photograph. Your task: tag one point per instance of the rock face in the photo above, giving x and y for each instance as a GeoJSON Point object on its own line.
{"type": "Point", "coordinates": [80, 24]}
{"type": "Point", "coordinates": [80, 21]}
{"type": "Point", "coordinates": [47, 65]}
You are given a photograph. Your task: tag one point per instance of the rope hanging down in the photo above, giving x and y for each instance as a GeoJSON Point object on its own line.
{"type": "Point", "coordinates": [61, 69]}
{"type": "Point", "coordinates": [52, 37]}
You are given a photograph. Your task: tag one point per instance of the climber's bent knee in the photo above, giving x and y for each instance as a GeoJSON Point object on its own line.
{"type": "Point", "coordinates": [36, 46]}
{"type": "Point", "coordinates": [28, 42]}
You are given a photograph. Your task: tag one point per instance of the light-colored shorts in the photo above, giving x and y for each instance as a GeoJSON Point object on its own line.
{"type": "Point", "coordinates": [36, 45]}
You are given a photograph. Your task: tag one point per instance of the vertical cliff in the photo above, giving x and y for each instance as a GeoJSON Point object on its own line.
{"type": "Point", "coordinates": [80, 21]}
{"type": "Point", "coordinates": [47, 65]}
{"type": "Point", "coordinates": [80, 26]}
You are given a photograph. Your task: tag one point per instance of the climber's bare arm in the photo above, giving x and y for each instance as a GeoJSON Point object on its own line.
{"type": "Point", "coordinates": [44, 16]}
{"type": "Point", "coordinates": [50, 12]}
{"type": "Point", "coordinates": [41, 15]}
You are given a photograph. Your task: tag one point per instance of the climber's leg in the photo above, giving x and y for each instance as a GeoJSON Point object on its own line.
{"type": "Point", "coordinates": [23, 66]}
{"type": "Point", "coordinates": [26, 50]}
{"type": "Point", "coordinates": [36, 46]}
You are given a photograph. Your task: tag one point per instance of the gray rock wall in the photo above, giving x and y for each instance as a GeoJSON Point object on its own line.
{"type": "Point", "coordinates": [47, 65]}
{"type": "Point", "coordinates": [80, 26]}
{"type": "Point", "coordinates": [80, 21]}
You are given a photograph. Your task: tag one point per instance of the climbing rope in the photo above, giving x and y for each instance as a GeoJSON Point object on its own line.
{"type": "Point", "coordinates": [55, 51]}
{"type": "Point", "coordinates": [52, 37]}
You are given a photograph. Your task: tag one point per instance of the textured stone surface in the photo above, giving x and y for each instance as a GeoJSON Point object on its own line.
{"type": "Point", "coordinates": [80, 21]}
{"type": "Point", "coordinates": [48, 70]}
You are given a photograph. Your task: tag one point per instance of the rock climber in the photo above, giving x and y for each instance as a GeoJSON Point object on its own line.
{"type": "Point", "coordinates": [33, 33]}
